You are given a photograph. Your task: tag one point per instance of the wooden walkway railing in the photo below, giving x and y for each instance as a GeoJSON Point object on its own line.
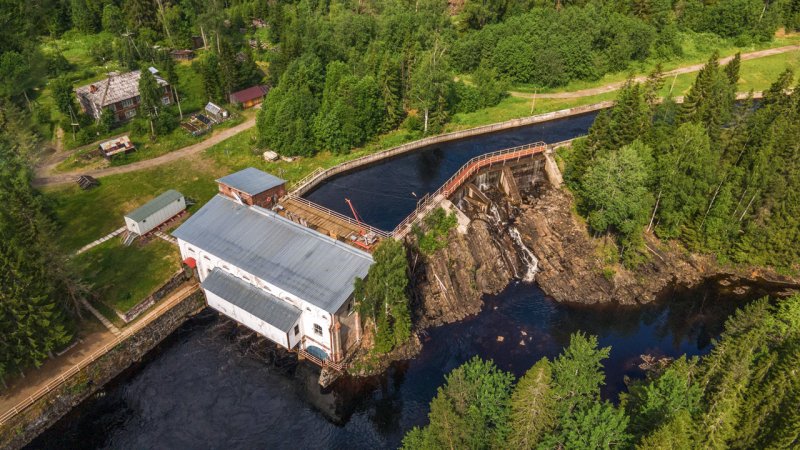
{"type": "Point", "coordinates": [463, 174]}
{"type": "Point", "coordinates": [326, 211]}
{"type": "Point", "coordinates": [67, 374]}
{"type": "Point", "coordinates": [339, 367]}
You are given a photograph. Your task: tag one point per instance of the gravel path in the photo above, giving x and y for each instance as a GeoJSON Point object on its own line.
{"type": "Point", "coordinates": [46, 179]}
{"type": "Point", "coordinates": [688, 69]}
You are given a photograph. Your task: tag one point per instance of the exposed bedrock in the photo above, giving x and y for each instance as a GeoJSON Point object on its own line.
{"type": "Point", "coordinates": [506, 239]}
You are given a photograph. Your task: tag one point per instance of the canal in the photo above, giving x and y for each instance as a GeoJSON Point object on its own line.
{"type": "Point", "coordinates": [207, 387]}
{"type": "Point", "coordinates": [386, 192]}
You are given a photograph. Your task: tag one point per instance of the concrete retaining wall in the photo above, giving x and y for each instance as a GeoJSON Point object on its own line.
{"type": "Point", "coordinates": [25, 426]}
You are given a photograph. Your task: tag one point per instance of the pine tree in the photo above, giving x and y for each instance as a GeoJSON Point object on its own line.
{"type": "Point", "coordinates": [533, 407]}
{"type": "Point", "coordinates": [469, 411]}
{"type": "Point", "coordinates": [578, 373]}
{"type": "Point", "coordinates": [35, 283]}
{"type": "Point", "coordinates": [732, 69]}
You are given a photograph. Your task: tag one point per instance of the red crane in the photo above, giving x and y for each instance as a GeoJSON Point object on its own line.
{"type": "Point", "coordinates": [365, 240]}
{"type": "Point", "coordinates": [355, 214]}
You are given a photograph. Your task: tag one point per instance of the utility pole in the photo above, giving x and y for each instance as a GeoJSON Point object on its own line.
{"type": "Point", "coordinates": [533, 102]}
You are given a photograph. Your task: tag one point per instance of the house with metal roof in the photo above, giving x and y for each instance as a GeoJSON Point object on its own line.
{"type": "Point", "coordinates": [149, 216]}
{"type": "Point", "coordinates": [118, 95]}
{"type": "Point", "coordinates": [287, 282]}
{"type": "Point", "coordinates": [253, 187]}
{"type": "Point", "coordinates": [252, 96]}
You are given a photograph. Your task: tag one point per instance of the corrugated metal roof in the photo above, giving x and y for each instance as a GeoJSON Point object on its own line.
{"type": "Point", "coordinates": [308, 264]}
{"type": "Point", "coordinates": [251, 181]}
{"type": "Point", "coordinates": [251, 93]}
{"type": "Point", "coordinates": [257, 302]}
{"type": "Point", "coordinates": [154, 205]}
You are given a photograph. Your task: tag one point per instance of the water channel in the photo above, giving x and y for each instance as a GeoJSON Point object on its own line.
{"type": "Point", "coordinates": [385, 193]}
{"type": "Point", "coordinates": [205, 387]}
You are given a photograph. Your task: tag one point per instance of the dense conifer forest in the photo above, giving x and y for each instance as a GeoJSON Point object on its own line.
{"type": "Point", "coordinates": [721, 176]}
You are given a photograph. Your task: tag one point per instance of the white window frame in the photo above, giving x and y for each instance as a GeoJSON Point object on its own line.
{"type": "Point", "coordinates": [130, 113]}
{"type": "Point", "coordinates": [127, 103]}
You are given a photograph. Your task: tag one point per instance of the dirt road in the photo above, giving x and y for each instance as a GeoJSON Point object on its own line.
{"type": "Point", "coordinates": [688, 69]}
{"type": "Point", "coordinates": [45, 179]}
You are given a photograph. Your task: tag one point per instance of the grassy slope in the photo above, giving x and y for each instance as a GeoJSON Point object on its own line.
{"type": "Point", "coordinates": [75, 48]}
{"type": "Point", "coordinates": [696, 49]}
{"type": "Point", "coordinates": [122, 276]}
{"type": "Point", "coordinates": [145, 148]}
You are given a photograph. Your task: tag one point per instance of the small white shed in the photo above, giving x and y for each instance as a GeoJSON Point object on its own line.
{"type": "Point", "coordinates": [155, 212]}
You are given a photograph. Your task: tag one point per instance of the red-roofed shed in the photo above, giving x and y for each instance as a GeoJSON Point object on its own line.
{"type": "Point", "coordinates": [250, 97]}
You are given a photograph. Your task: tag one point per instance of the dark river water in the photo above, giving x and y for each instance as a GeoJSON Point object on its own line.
{"type": "Point", "coordinates": [385, 193]}
{"type": "Point", "coordinates": [207, 386]}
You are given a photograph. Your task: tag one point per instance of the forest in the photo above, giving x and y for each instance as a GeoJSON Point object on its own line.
{"type": "Point", "coordinates": [743, 394]}
{"type": "Point", "coordinates": [719, 175]}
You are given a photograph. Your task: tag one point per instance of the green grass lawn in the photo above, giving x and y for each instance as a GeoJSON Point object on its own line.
{"type": "Point", "coordinates": [87, 215]}
{"type": "Point", "coordinates": [697, 47]}
{"type": "Point", "coordinates": [123, 276]}
{"type": "Point", "coordinates": [514, 108]}
{"type": "Point", "coordinates": [145, 148]}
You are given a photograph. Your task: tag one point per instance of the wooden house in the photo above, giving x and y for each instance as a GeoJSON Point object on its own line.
{"type": "Point", "coordinates": [249, 97]}
{"type": "Point", "coordinates": [118, 95]}
{"type": "Point", "coordinates": [253, 187]}
{"type": "Point", "coordinates": [182, 55]}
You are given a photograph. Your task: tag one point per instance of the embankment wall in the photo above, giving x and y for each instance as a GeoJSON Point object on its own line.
{"type": "Point", "coordinates": [44, 412]}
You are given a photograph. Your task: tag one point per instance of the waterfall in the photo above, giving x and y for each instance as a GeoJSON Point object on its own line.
{"type": "Point", "coordinates": [495, 213]}
{"type": "Point", "coordinates": [481, 182]}
{"type": "Point", "coordinates": [498, 223]}
{"type": "Point", "coordinates": [530, 259]}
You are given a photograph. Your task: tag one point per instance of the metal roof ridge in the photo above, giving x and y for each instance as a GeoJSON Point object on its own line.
{"type": "Point", "coordinates": [316, 234]}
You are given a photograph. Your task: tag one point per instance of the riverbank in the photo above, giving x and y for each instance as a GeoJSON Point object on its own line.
{"type": "Point", "coordinates": [26, 421]}
{"type": "Point", "coordinates": [545, 235]}
{"type": "Point", "coordinates": [543, 239]}
{"type": "Point", "coordinates": [209, 385]}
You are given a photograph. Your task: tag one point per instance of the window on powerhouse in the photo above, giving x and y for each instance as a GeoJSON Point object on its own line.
{"type": "Point", "coordinates": [317, 329]}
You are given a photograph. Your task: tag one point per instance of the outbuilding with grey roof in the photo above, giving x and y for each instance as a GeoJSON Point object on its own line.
{"type": "Point", "coordinates": [155, 212]}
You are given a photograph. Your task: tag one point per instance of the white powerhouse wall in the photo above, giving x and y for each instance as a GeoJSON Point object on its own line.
{"type": "Point", "coordinates": [247, 319]}
{"type": "Point", "coordinates": [311, 315]}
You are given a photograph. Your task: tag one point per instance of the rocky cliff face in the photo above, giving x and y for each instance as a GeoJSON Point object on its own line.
{"type": "Point", "coordinates": [497, 248]}
{"type": "Point", "coordinates": [571, 269]}
{"type": "Point", "coordinates": [451, 283]}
